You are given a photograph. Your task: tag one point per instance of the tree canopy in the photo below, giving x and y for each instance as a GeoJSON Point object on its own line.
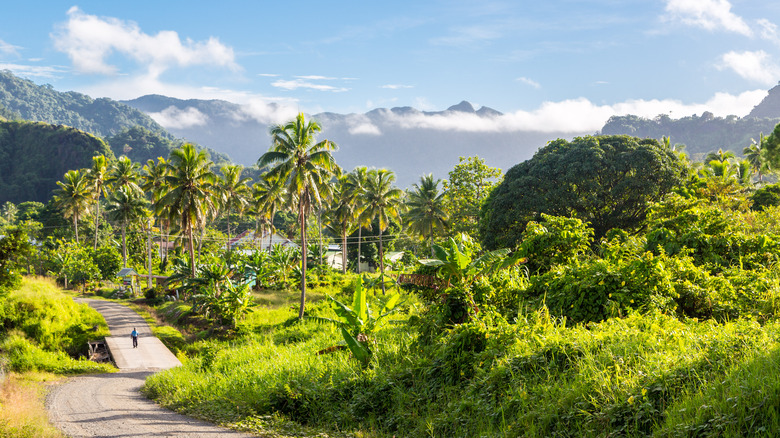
{"type": "Point", "coordinates": [604, 180]}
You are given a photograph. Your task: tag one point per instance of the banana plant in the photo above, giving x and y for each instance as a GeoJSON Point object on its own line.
{"type": "Point", "coordinates": [456, 263]}
{"type": "Point", "coordinates": [359, 322]}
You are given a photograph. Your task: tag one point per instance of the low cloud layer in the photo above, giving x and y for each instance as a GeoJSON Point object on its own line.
{"type": "Point", "coordinates": [175, 118]}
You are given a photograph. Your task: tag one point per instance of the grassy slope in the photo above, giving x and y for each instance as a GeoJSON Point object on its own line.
{"type": "Point", "coordinates": [638, 376]}
{"type": "Point", "coordinates": [43, 323]}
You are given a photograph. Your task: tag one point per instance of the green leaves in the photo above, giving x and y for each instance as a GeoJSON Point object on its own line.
{"type": "Point", "coordinates": [359, 322]}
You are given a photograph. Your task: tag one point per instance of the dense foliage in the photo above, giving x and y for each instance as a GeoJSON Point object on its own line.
{"type": "Point", "coordinates": [606, 181]}
{"type": "Point", "coordinates": [700, 134]}
{"type": "Point", "coordinates": [33, 156]}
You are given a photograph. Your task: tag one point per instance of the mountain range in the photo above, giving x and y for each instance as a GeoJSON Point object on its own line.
{"type": "Point", "coordinates": [405, 140]}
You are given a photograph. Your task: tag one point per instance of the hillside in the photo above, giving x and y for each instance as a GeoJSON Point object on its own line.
{"type": "Point", "coordinates": [705, 133]}
{"type": "Point", "coordinates": [41, 103]}
{"type": "Point", "coordinates": [35, 155]}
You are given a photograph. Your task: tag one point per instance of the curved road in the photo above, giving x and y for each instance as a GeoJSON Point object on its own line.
{"type": "Point", "coordinates": [111, 405]}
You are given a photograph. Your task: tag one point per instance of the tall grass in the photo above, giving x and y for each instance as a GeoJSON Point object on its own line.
{"type": "Point", "coordinates": [22, 412]}
{"type": "Point", "coordinates": [643, 375]}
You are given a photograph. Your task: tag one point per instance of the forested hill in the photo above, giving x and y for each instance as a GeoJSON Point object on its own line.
{"type": "Point", "coordinates": [700, 134]}
{"type": "Point", "coordinates": [41, 103]}
{"type": "Point", "coordinates": [34, 156]}
{"type": "Point", "coordinates": [705, 133]}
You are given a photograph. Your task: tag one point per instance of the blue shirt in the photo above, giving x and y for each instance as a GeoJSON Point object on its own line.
{"type": "Point", "coordinates": [134, 334]}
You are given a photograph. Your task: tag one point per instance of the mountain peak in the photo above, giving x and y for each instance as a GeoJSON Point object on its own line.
{"type": "Point", "coordinates": [769, 106]}
{"type": "Point", "coordinates": [463, 106]}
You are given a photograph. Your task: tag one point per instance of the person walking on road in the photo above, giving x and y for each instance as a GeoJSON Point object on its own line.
{"type": "Point", "coordinates": [134, 335]}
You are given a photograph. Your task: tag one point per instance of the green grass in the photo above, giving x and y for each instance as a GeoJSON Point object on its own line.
{"type": "Point", "coordinates": [638, 376]}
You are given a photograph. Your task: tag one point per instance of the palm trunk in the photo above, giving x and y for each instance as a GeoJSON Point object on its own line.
{"type": "Point", "coordinates": [303, 259]}
{"type": "Point", "coordinates": [97, 218]}
{"type": "Point", "coordinates": [344, 250]}
{"type": "Point", "coordinates": [76, 227]}
{"type": "Point", "coordinates": [319, 224]}
{"type": "Point", "coordinates": [124, 246]}
{"type": "Point", "coordinates": [191, 248]}
{"type": "Point", "coordinates": [228, 229]}
{"type": "Point", "coordinates": [433, 254]}
{"type": "Point", "coordinates": [149, 257]}
{"type": "Point", "coordinates": [382, 263]}
{"type": "Point", "coordinates": [360, 238]}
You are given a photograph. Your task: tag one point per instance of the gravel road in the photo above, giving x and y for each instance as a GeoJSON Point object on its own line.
{"type": "Point", "coordinates": [111, 405]}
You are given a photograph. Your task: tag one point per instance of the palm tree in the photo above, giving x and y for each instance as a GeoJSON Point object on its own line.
{"type": "Point", "coordinates": [97, 175]}
{"type": "Point", "coordinates": [755, 156]}
{"type": "Point", "coordinates": [721, 155]}
{"type": "Point", "coordinates": [124, 173]}
{"type": "Point", "coordinates": [268, 197]}
{"type": "Point", "coordinates": [341, 217]}
{"type": "Point", "coordinates": [190, 183]}
{"type": "Point", "coordinates": [153, 182]}
{"type": "Point", "coordinates": [126, 205]}
{"type": "Point", "coordinates": [74, 197]}
{"type": "Point", "coordinates": [382, 202]}
{"type": "Point", "coordinates": [233, 192]}
{"type": "Point", "coordinates": [354, 186]}
{"type": "Point", "coordinates": [302, 166]}
{"type": "Point", "coordinates": [426, 214]}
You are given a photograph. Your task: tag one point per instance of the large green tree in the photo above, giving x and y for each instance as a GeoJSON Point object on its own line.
{"type": "Point", "coordinates": [381, 201]}
{"type": "Point", "coordinates": [425, 214]}
{"type": "Point", "coordinates": [304, 166]}
{"type": "Point", "coordinates": [466, 188]}
{"type": "Point", "coordinates": [189, 197]}
{"type": "Point", "coordinates": [607, 181]}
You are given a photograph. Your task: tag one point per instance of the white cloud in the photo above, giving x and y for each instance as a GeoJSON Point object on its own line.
{"type": "Point", "coordinates": [707, 14]}
{"type": "Point", "coordinates": [316, 78]}
{"type": "Point", "coordinates": [395, 86]}
{"type": "Point", "coordinates": [8, 49]}
{"type": "Point", "coordinates": [530, 82]}
{"type": "Point", "coordinates": [33, 71]}
{"type": "Point", "coordinates": [268, 75]}
{"type": "Point", "coordinates": [176, 118]}
{"type": "Point", "coordinates": [576, 115]}
{"type": "Point", "coordinates": [88, 40]}
{"type": "Point", "coordinates": [768, 30]}
{"type": "Point", "coordinates": [755, 66]}
{"type": "Point", "coordinates": [300, 83]}
{"type": "Point", "coordinates": [360, 124]}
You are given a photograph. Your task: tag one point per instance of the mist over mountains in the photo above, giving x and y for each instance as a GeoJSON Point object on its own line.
{"type": "Point", "coordinates": [403, 139]}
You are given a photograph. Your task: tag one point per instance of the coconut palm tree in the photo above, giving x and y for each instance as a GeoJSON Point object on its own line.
{"type": "Point", "coordinates": [721, 155]}
{"type": "Point", "coordinates": [354, 187]}
{"type": "Point", "coordinates": [126, 205]}
{"type": "Point", "coordinates": [74, 197]}
{"type": "Point", "coordinates": [342, 218]}
{"type": "Point", "coordinates": [97, 175]}
{"type": "Point", "coordinates": [233, 191]}
{"type": "Point", "coordinates": [302, 165]}
{"type": "Point", "coordinates": [268, 197]}
{"type": "Point", "coordinates": [382, 202]}
{"type": "Point", "coordinates": [426, 215]}
{"type": "Point", "coordinates": [189, 197]}
{"type": "Point", "coordinates": [153, 182]}
{"type": "Point", "coordinates": [124, 173]}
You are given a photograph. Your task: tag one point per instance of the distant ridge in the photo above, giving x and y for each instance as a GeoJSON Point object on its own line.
{"type": "Point", "coordinates": [769, 107]}
{"type": "Point", "coordinates": [41, 103]}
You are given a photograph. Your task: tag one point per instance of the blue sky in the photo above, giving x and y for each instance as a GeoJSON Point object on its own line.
{"type": "Point", "coordinates": [548, 65]}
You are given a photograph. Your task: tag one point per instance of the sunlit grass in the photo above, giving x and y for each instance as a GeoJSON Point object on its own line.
{"type": "Point", "coordinates": [22, 410]}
